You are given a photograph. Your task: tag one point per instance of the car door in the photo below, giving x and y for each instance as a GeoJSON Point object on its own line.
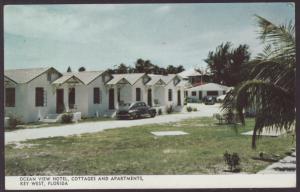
{"type": "Point", "coordinates": [144, 108]}
{"type": "Point", "coordinates": [139, 109]}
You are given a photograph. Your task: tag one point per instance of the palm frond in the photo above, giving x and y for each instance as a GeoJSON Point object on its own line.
{"type": "Point", "coordinates": [274, 106]}
{"type": "Point", "coordinates": [276, 35]}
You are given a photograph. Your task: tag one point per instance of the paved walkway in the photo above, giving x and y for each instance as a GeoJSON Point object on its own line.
{"type": "Point", "coordinates": [284, 166]}
{"type": "Point", "coordinates": [92, 127]}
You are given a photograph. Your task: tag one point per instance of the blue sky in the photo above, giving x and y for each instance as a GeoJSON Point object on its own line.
{"type": "Point", "coordinates": [101, 36]}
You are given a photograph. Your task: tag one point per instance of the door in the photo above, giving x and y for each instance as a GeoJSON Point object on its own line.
{"type": "Point", "coordinates": [179, 98]}
{"type": "Point", "coordinates": [200, 95]}
{"type": "Point", "coordinates": [111, 99]}
{"type": "Point", "coordinates": [150, 97]}
{"type": "Point", "coordinates": [59, 101]}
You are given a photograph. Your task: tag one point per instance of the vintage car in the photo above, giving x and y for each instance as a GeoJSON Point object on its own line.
{"type": "Point", "coordinates": [209, 100]}
{"type": "Point", "coordinates": [135, 110]}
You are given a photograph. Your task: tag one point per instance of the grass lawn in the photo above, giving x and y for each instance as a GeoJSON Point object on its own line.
{"type": "Point", "coordinates": [136, 151]}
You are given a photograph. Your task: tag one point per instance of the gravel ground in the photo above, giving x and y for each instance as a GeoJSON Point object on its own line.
{"type": "Point", "coordinates": [92, 127]}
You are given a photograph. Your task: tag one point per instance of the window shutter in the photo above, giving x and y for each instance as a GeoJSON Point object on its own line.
{"type": "Point", "coordinates": [39, 97]}
{"type": "Point", "coordinates": [96, 95]}
{"type": "Point", "coordinates": [10, 97]}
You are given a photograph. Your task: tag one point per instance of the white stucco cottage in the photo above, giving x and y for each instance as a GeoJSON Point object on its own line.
{"type": "Point", "coordinates": [43, 93]}
{"type": "Point", "coordinates": [209, 89]}
{"type": "Point", "coordinates": [29, 94]}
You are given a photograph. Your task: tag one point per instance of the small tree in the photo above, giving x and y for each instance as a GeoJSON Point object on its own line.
{"type": "Point", "coordinates": [81, 69]}
{"type": "Point", "coordinates": [69, 69]}
{"type": "Point", "coordinates": [232, 160]}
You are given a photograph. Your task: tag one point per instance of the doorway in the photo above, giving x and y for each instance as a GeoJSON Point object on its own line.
{"type": "Point", "coordinates": [111, 99]}
{"type": "Point", "coordinates": [59, 101]}
{"type": "Point", "coordinates": [150, 97]}
{"type": "Point", "coordinates": [179, 98]}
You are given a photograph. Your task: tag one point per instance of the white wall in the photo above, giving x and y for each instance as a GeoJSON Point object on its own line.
{"type": "Point", "coordinates": [204, 94]}
{"type": "Point", "coordinates": [158, 92]}
{"type": "Point", "coordinates": [139, 84]}
{"type": "Point", "coordinates": [19, 110]}
{"type": "Point", "coordinates": [102, 107]}
{"type": "Point", "coordinates": [25, 107]}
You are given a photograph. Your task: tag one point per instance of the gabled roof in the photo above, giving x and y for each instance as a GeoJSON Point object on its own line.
{"type": "Point", "coordinates": [155, 79]}
{"type": "Point", "coordinates": [189, 73]}
{"type": "Point", "coordinates": [131, 78]}
{"type": "Point", "coordinates": [184, 83]}
{"type": "Point", "coordinates": [209, 87]}
{"type": "Point", "coordinates": [86, 77]}
{"type": "Point", "coordinates": [168, 78]}
{"type": "Point", "coordinates": [26, 75]}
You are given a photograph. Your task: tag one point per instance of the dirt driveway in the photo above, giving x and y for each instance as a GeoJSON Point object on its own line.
{"type": "Point", "coordinates": [92, 127]}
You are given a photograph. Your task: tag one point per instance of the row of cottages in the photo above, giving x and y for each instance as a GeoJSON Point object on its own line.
{"type": "Point", "coordinates": [36, 94]}
{"type": "Point", "coordinates": [199, 92]}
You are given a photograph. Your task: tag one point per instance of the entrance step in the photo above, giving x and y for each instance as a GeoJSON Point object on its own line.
{"type": "Point", "coordinates": [52, 118]}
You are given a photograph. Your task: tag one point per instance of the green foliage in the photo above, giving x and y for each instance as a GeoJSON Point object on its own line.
{"type": "Point", "coordinates": [189, 109]}
{"type": "Point", "coordinates": [233, 161]}
{"type": "Point", "coordinates": [69, 69]}
{"type": "Point", "coordinates": [67, 118]}
{"type": "Point", "coordinates": [134, 150]}
{"type": "Point", "coordinates": [270, 87]}
{"type": "Point", "coordinates": [81, 69]}
{"type": "Point", "coordinates": [14, 121]}
{"type": "Point", "coordinates": [230, 117]}
{"type": "Point", "coordinates": [146, 66]}
{"type": "Point", "coordinates": [159, 112]}
{"type": "Point", "coordinates": [185, 101]}
{"type": "Point", "coordinates": [170, 109]}
{"type": "Point", "coordinates": [195, 109]}
{"type": "Point", "coordinates": [227, 63]}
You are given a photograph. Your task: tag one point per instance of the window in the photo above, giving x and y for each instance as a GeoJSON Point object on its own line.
{"type": "Point", "coordinates": [224, 92]}
{"type": "Point", "coordinates": [200, 95]}
{"type": "Point", "coordinates": [39, 97]}
{"type": "Point", "coordinates": [119, 94]}
{"type": "Point", "coordinates": [49, 74]}
{"type": "Point", "coordinates": [71, 98]}
{"type": "Point", "coordinates": [97, 95]}
{"type": "Point", "coordinates": [138, 94]}
{"type": "Point", "coordinates": [212, 93]}
{"type": "Point", "coordinates": [170, 95]}
{"type": "Point", "coordinates": [194, 93]}
{"type": "Point", "coordinates": [10, 97]}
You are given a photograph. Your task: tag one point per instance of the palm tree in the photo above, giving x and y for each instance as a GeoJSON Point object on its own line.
{"type": "Point", "coordinates": [270, 88]}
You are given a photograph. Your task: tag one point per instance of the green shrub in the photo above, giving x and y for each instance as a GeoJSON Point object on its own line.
{"type": "Point", "coordinates": [170, 109]}
{"type": "Point", "coordinates": [189, 109]}
{"type": "Point", "coordinates": [67, 118]}
{"type": "Point", "coordinates": [159, 112]}
{"type": "Point", "coordinates": [233, 161]}
{"type": "Point", "coordinates": [185, 101]}
{"type": "Point", "coordinates": [195, 109]}
{"type": "Point", "coordinates": [230, 117]}
{"type": "Point", "coordinates": [13, 122]}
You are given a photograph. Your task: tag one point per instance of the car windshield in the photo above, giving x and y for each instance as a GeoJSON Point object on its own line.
{"type": "Point", "coordinates": [124, 105]}
{"type": "Point", "coordinates": [133, 105]}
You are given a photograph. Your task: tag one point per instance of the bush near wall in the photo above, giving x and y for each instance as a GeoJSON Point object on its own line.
{"type": "Point", "coordinates": [13, 122]}
{"type": "Point", "coordinates": [67, 118]}
{"type": "Point", "coordinates": [170, 109]}
{"type": "Point", "coordinates": [189, 109]}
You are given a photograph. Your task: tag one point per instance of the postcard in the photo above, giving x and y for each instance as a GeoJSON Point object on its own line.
{"type": "Point", "coordinates": [150, 96]}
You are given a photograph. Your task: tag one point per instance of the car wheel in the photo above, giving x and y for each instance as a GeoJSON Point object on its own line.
{"type": "Point", "coordinates": [152, 114]}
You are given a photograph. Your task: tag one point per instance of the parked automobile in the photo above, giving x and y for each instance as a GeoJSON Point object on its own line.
{"type": "Point", "coordinates": [135, 110]}
{"type": "Point", "coordinates": [209, 100]}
